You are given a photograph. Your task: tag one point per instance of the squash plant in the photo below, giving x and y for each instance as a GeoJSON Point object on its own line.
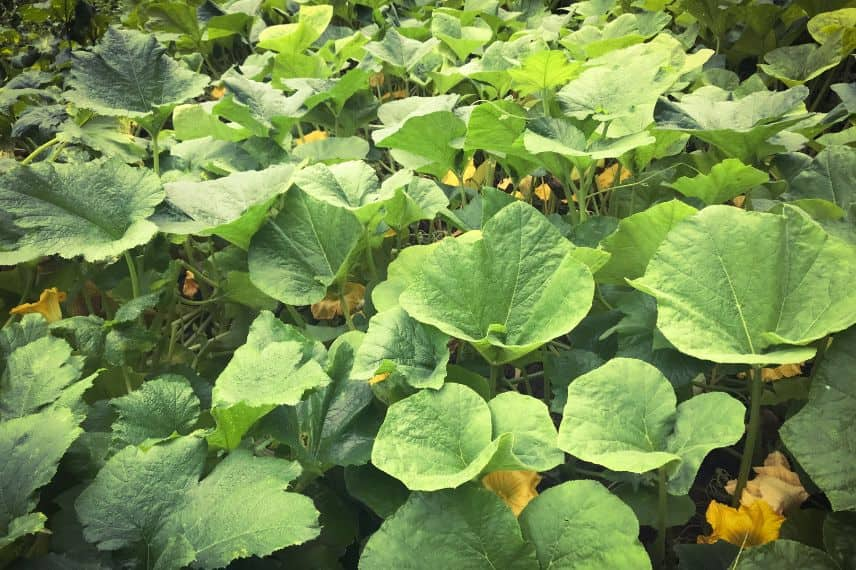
{"type": "Point", "coordinates": [417, 284]}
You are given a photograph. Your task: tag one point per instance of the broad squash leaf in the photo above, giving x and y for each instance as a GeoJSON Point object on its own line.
{"type": "Point", "coordinates": [415, 198]}
{"type": "Point", "coordinates": [508, 293]}
{"type": "Point", "coordinates": [398, 344]}
{"type": "Point", "coordinates": [796, 65]}
{"type": "Point", "coordinates": [297, 255]}
{"type": "Point", "coordinates": [579, 524]}
{"type": "Point", "coordinates": [468, 528]}
{"type": "Point", "coordinates": [232, 207]}
{"type": "Point", "coordinates": [275, 367]}
{"type": "Point", "coordinates": [257, 106]}
{"type": "Point", "coordinates": [441, 439]}
{"type": "Point", "coordinates": [461, 39]}
{"type": "Point", "coordinates": [399, 51]}
{"type": "Point", "coordinates": [725, 180]}
{"type": "Point", "coordinates": [821, 434]}
{"type": "Point", "coordinates": [293, 38]}
{"type": "Point", "coordinates": [622, 415]}
{"type": "Point", "coordinates": [128, 74]}
{"type": "Point", "coordinates": [719, 254]}
{"type": "Point", "coordinates": [352, 186]}
{"type": "Point", "coordinates": [785, 554]}
{"type": "Point", "coordinates": [543, 70]}
{"type": "Point", "coordinates": [97, 210]}
{"type": "Point", "coordinates": [637, 238]}
{"type": "Point", "coordinates": [494, 126]}
{"type": "Point", "coordinates": [31, 447]}
{"type": "Point", "coordinates": [831, 175]}
{"type": "Point", "coordinates": [158, 409]}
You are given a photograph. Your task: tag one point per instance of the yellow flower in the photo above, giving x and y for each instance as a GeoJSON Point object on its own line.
{"type": "Point", "coordinates": [378, 378]}
{"type": "Point", "coordinates": [754, 525]}
{"type": "Point", "coordinates": [47, 305]}
{"type": "Point", "coordinates": [311, 137]}
{"type": "Point", "coordinates": [774, 484]}
{"type": "Point", "coordinates": [606, 179]}
{"type": "Point", "coordinates": [516, 488]}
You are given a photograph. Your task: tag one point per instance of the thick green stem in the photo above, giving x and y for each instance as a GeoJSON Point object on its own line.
{"type": "Point", "coordinates": [39, 150]}
{"type": "Point", "coordinates": [346, 310]}
{"type": "Point", "coordinates": [370, 263]}
{"type": "Point", "coordinates": [132, 273]}
{"type": "Point", "coordinates": [662, 511]}
{"type": "Point", "coordinates": [155, 154]}
{"type": "Point", "coordinates": [752, 432]}
{"type": "Point", "coordinates": [295, 316]}
{"type": "Point", "coordinates": [494, 377]}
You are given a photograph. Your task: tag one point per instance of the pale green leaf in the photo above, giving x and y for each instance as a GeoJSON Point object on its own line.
{"type": "Point", "coordinates": [533, 445]}
{"type": "Point", "coordinates": [352, 186]}
{"type": "Point", "coordinates": [543, 70]}
{"type": "Point", "coordinates": [158, 409]}
{"type": "Point", "coordinates": [725, 180]}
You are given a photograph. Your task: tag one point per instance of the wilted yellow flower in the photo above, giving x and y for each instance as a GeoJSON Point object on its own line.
{"type": "Point", "coordinates": [777, 373]}
{"type": "Point", "coordinates": [516, 488]}
{"type": "Point", "coordinates": [330, 306]}
{"type": "Point", "coordinates": [474, 177]}
{"type": "Point", "coordinates": [378, 378]}
{"type": "Point", "coordinates": [606, 179]}
{"type": "Point", "coordinates": [774, 484]}
{"type": "Point", "coordinates": [754, 525]}
{"type": "Point", "coordinates": [47, 305]}
{"type": "Point", "coordinates": [311, 137]}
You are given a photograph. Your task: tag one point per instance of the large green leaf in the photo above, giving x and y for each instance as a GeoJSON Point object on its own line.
{"type": "Point", "coordinates": [739, 126]}
{"type": "Point", "coordinates": [435, 439]}
{"type": "Point", "coordinates": [461, 39]}
{"type": "Point", "coordinates": [232, 207]}
{"type": "Point", "coordinates": [441, 439]}
{"type": "Point", "coordinates": [158, 409]}
{"type": "Point", "coordinates": [399, 51]}
{"type": "Point", "coordinates": [275, 367]}
{"type": "Point", "coordinates": [293, 38]}
{"type": "Point", "coordinates": [129, 74]}
{"type": "Point", "coordinates": [96, 209]}
{"type": "Point", "coordinates": [467, 528]}
{"type": "Point", "coordinates": [725, 180]}
{"type": "Point", "coordinates": [822, 434]}
{"type": "Point", "coordinates": [784, 554]}
{"type": "Point", "coordinates": [414, 198]}
{"type": "Point", "coordinates": [397, 344]}
{"type": "Point", "coordinates": [335, 425]}
{"type": "Point", "coordinates": [581, 525]}
{"type": "Point", "coordinates": [543, 70]}
{"type": "Point", "coordinates": [775, 279]}
{"type": "Point", "coordinates": [494, 126]}
{"type": "Point", "coordinates": [297, 255]}
{"type": "Point", "coordinates": [637, 238]}
{"type": "Point", "coordinates": [36, 375]}
{"type": "Point", "coordinates": [424, 142]}
{"type": "Point", "coordinates": [795, 65]}
{"type": "Point", "coordinates": [623, 416]}
{"type": "Point", "coordinates": [154, 500]}
{"type": "Point", "coordinates": [523, 288]}
{"type": "Point", "coordinates": [31, 447]}
{"type": "Point", "coordinates": [831, 175]}
{"type": "Point", "coordinates": [257, 106]}
{"type": "Point", "coordinates": [350, 185]}
{"type": "Point", "coordinates": [559, 136]}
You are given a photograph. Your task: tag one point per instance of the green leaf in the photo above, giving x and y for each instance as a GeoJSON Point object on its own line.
{"type": "Point", "coordinates": [524, 286]}
{"type": "Point", "coordinates": [399, 51]}
{"type": "Point", "coordinates": [740, 127]}
{"type": "Point", "coordinates": [785, 554]}
{"type": "Point", "coordinates": [561, 137]}
{"type": "Point", "coordinates": [297, 255]}
{"type": "Point", "coordinates": [623, 416]}
{"type": "Point", "coordinates": [129, 74]}
{"type": "Point", "coordinates": [719, 254]}
{"type": "Point", "coordinates": [238, 511]}
{"type": "Point", "coordinates": [725, 180]}
{"type": "Point", "coordinates": [22, 526]}
{"type": "Point", "coordinates": [533, 446]}
{"type": "Point", "coordinates": [275, 367]}
{"type": "Point", "coordinates": [424, 142]}
{"type": "Point", "coordinates": [414, 199]}
{"type": "Point", "coordinates": [257, 106]}
{"type": "Point", "coordinates": [375, 489]}
{"type": "Point", "coordinates": [107, 135]}
{"type": "Point", "coordinates": [637, 238]}
{"type": "Point", "coordinates": [232, 207]}
{"type": "Point", "coordinates": [352, 186]}
{"type": "Point", "coordinates": [31, 447]}
{"type": "Point", "coordinates": [296, 37]}
{"type": "Point", "coordinates": [579, 524]}
{"type": "Point", "coordinates": [494, 126]}
{"type": "Point", "coordinates": [543, 71]}
{"type": "Point", "coordinates": [36, 375]}
{"type": "Point", "coordinates": [397, 344]}
{"type": "Point", "coordinates": [157, 410]}
{"type": "Point", "coordinates": [97, 209]}
{"type": "Point", "coordinates": [463, 528]}
{"type": "Point", "coordinates": [837, 27]}
{"type": "Point", "coordinates": [335, 425]}
{"type": "Point", "coordinates": [821, 434]}
{"type": "Point", "coordinates": [796, 65]}
{"type": "Point", "coordinates": [839, 530]}
{"type": "Point", "coordinates": [679, 508]}
{"type": "Point", "coordinates": [463, 40]}
{"type": "Point", "coordinates": [195, 121]}
{"type": "Point", "coordinates": [435, 439]}
{"type": "Point", "coordinates": [831, 175]}
{"type": "Point", "coordinates": [333, 149]}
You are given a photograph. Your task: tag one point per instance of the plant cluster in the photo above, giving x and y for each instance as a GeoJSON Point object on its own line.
{"type": "Point", "coordinates": [410, 284]}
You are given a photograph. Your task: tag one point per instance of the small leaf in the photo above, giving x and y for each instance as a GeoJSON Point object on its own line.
{"type": "Point", "coordinates": [725, 180]}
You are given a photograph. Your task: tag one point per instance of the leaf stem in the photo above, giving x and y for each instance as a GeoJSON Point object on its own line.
{"type": "Point", "coordinates": [752, 430]}
{"type": "Point", "coordinates": [155, 153]}
{"type": "Point", "coordinates": [494, 377]}
{"type": "Point", "coordinates": [662, 510]}
{"type": "Point", "coordinates": [39, 150]}
{"type": "Point", "coordinates": [132, 273]}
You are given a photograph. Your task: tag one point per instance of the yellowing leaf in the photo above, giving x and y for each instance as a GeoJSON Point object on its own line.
{"type": "Point", "coordinates": [330, 306]}
{"type": "Point", "coordinates": [505, 184]}
{"type": "Point", "coordinates": [190, 287]}
{"type": "Point", "coordinates": [312, 137]}
{"type": "Point", "coordinates": [774, 484]}
{"type": "Point", "coordinates": [544, 191]}
{"type": "Point", "coordinates": [47, 305]}
{"type": "Point", "coordinates": [606, 179]}
{"type": "Point", "coordinates": [377, 79]}
{"type": "Point", "coordinates": [400, 94]}
{"type": "Point", "coordinates": [754, 525]}
{"type": "Point", "coordinates": [515, 488]}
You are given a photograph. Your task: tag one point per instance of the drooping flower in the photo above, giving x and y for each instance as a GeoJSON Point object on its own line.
{"type": "Point", "coordinates": [330, 306]}
{"type": "Point", "coordinates": [312, 136]}
{"type": "Point", "coordinates": [774, 484]}
{"type": "Point", "coordinates": [378, 378]}
{"type": "Point", "coordinates": [47, 305]}
{"type": "Point", "coordinates": [749, 526]}
{"type": "Point", "coordinates": [515, 488]}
